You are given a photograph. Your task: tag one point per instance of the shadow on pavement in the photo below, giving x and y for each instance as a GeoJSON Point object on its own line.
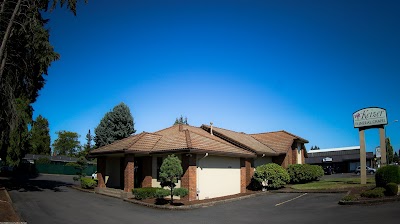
{"type": "Point", "coordinates": [22, 184]}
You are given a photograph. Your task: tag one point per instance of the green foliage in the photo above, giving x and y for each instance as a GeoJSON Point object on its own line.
{"type": "Point", "coordinates": [161, 193]}
{"type": "Point", "coordinates": [25, 55]}
{"type": "Point", "coordinates": [71, 164]}
{"type": "Point", "coordinates": [40, 137]}
{"type": "Point", "coordinates": [181, 120]}
{"type": "Point", "coordinates": [276, 175]}
{"type": "Point", "coordinates": [391, 189]}
{"type": "Point", "coordinates": [67, 143]}
{"type": "Point", "coordinates": [181, 192]}
{"type": "Point", "coordinates": [377, 192]}
{"type": "Point", "coordinates": [115, 125]}
{"type": "Point", "coordinates": [349, 198]}
{"type": "Point", "coordinates": [303, 173]}
{"type": "Point", "coordinates": [387, 174]}
{"type": "Point", "coordinates": [314, 148]}
{"type": "Point", "coordinates": [146, 192]}
{"type": "Point", "coordinates": [80, 166]}
{"type": "Point", "coordinates": [43, 160]}
{"type": "Point", "coordinates": [170, 171]}
{"type": "Point", "coordinates": [88, 183]}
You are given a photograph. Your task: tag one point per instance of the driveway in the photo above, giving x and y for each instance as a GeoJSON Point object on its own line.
{"type": "Point", "coordinates": [47, 199]}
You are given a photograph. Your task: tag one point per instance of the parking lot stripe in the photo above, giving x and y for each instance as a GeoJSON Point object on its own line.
{"type": "Point", "coordinates": [291, 199]}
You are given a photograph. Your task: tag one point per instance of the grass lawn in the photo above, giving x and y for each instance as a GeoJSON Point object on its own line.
{"type": "Point", "coordinates": [334, 183]}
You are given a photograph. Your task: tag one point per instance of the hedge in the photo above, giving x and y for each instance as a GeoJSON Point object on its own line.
{"type": "Point", "coordinates": [88, 183]}
{"type": "Point", "coordinates": [276, 175]}
{"type": "Point", "coordinates": [303, 173]}
{"type": "Point", "coordinates": [387, 174]}
{"type": "Point", "coordinates": [146, 192]}
{"type": "Point", "coordinates": [377, 192]}
{"type": "Point", "coordinates": [181, 192]}
{"type": "Point", "coordinates": [391, 189]}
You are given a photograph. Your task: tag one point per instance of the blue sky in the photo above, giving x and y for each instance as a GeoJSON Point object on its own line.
{"type": "Point", "coordinates": [251, 66]}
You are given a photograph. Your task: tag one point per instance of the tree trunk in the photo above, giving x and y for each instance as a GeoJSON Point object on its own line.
{"type": "Point", "coordinates": [172, 196]}
{"type": "Point", "coordinates": [8, 33]}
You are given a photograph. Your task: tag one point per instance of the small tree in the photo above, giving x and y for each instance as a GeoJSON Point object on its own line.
{"type": "Point", "coordinates": [170, 171]}
{"type": "Point", "coordinates": [181, 120]}
{"type": "Point", "coordinates": [80, 167]}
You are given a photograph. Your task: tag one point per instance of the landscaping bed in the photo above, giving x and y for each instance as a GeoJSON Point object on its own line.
{"type": "Point", "coordinates": [7, 213]}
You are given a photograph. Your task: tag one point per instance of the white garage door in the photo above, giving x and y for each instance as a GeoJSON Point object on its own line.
{"type": "Point", "coordinates": [218, 176]}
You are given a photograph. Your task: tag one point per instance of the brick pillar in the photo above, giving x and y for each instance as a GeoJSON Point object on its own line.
{"type": "Point", "coordinates": [189, 178]}
{"type": "Point", "coordinates": [245, 174]}
{"type": "Point", "coordinates": [129, 172]}
{"type": "Point", "coordinates": [101, 171]}
{"type": "Point", "coordinates": [147, 171]}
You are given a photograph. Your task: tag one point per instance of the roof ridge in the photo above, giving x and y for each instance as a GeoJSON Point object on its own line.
{"type": "Point", "coordinates": [225, 129]}
{"type": "Point", "coordinates": [188, 140]}
{"type": "Point", "coordinates": [218, 139]}
{"type": "Point", "coordinates": [139, 137]}
{"type": "Point", "coordinates": [264, 144]}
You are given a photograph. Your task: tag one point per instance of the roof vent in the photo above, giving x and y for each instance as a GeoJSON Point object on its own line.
{"type": "Point", "coordinates": [211, 128]}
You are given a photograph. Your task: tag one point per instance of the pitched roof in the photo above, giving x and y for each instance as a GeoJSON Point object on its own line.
{"type": "Point", "coordinates": [242, 140]}
{"type": "Point", "coordinates": [280, 141]}
{"type": "Point", "coordinates": [174, 138]}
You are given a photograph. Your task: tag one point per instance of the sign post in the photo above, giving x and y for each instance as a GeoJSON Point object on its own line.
{"type": "Point", "coordinates": [371, 117]}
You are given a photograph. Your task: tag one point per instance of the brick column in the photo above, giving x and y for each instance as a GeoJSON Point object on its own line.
{"type": "Point", "coordinates": [129, 172]}
{"type": "Point", "coordinates": [147, 171]}
{"type": "Point", "coordinates": [245, 174]}
{"type": "Point", "coordinates": [189, 178]}
{"type": "Point", "coordinates": [101, 171]}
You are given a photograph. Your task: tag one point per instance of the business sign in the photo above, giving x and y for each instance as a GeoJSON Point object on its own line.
{"type": "Point", "coordinates": [378, 152]}
{"type": "Point", "coordinates": [371, 116]}
{"type": "Point", "coordinates": [327, 159]}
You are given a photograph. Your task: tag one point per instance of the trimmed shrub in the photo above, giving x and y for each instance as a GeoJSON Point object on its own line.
{"type": "Point", "coordinates": [145, 192]}
{"type": "Point", "coordinates": [88, 183]}
{"type": "Point", "coordinates": [303, 173]}
{"type": "Point", "coordinates": [276, 175]}
{"type": "Point", "coordinates": [377, 192]}
{"type": "Point", "coordinates": [349, 198]}
{"type": "Point", "coordinates": [391, 189]}
{"type": "Point", "coordinates": [387, 174]}
{"type": "Point", "coordinates": [161, 193]}
{"type": "Point", "coordinates": [181, 192]}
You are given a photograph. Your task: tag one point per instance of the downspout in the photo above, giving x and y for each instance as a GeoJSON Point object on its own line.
{"type": "Point", "coordinates": [197, 176]}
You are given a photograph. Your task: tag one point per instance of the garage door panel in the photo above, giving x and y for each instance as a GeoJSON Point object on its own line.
{"type": "Point", "coordinates": [218, 176]}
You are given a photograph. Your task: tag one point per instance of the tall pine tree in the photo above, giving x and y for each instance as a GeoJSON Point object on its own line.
{"type": "Point", "coordinates": [115, 125]}
{"type": "Point", "coordinates": [40, 137]}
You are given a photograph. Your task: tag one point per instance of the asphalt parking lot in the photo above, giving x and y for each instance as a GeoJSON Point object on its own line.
{"type": "Point", "coordinates": [47, 199]}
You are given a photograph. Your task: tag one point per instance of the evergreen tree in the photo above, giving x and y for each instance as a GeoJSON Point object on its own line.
{"type": "Point", "coordinates": [115, 125]}
{"type": "Point", "coordinates": [389, 151]}
{"type": "Point", "coordinates": [40, 137]}
{"type": "Point", "coordinates": [67, 143]}
{"type": "Point", "coordinates": [181, 120]}
{"type": "Point", "coordinates": [25, 55]}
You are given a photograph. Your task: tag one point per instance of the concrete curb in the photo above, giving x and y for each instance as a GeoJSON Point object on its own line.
{"type": "Point", "coordinates": [369, 201]}
{"type": "Point", "coordinates": [81, 189]}
{"type": "Point", "coordinates": [310, 191]}
{"type": "Point", "coordinates": [188, 207]}
{"type": "Point", "coordinates": [12, 205]}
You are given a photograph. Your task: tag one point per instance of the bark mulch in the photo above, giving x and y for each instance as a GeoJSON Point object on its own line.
{"type": "Point", "coordinates": [7, 212]}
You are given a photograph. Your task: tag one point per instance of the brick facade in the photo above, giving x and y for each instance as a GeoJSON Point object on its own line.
{"type": "Point", "coordinates": [189, 178]}
{"type": "Point", "coordinates": [147, 171]}
{"type": "Point", "coordinates": [129, 172]}
{"type": "Point", "coordinates": [246, 171]}
{"type": "Point", "coordinates": [101, 172]}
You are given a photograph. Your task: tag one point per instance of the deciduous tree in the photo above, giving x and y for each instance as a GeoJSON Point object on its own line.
{"type": "Point", "coordinates": [67, 143]}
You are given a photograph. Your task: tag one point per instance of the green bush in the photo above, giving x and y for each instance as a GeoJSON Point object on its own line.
{"type": "Point", "coordinates": [181, 192]}
{"type": "Point", "coordinates": [387, 174]}
{"type": "Point", "coordinates": [276, 175]}
{"type": "Point", "coordinates": [161, 193]}
{"type": "Point", "coordinates": [391, 189]}
{"type": "Point", "coordinates": [146, 192]}
{"type": "Point", "coordinates": [349, 198]}
{"type": "Point", "coordinates": [377, 192]}
{"type": "Point", "coordinates": [303, 173]}
{"type": "Point", "coordinates": [88, 183]}
{"type": "Point", "coordinates": [71, 164]}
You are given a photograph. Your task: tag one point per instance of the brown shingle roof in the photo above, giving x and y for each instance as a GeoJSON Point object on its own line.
{"type": "Point", "coordinates": [242, 140]}
{"type": "Point", "coordinates": [280, 141]}
{"type": "Point", "coordinates": [177, 137]}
